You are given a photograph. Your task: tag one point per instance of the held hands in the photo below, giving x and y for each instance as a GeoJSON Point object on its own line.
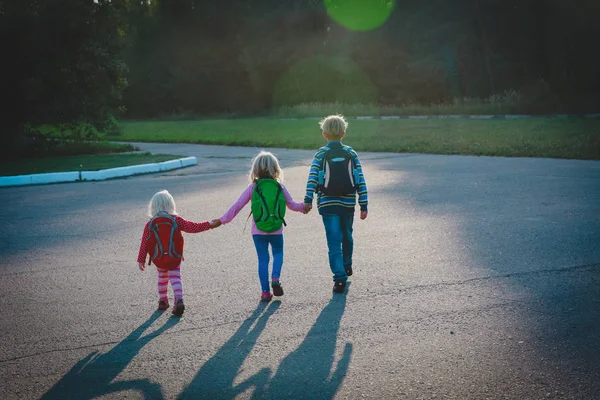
{"type": "Point", "coordinates": [215, 223]}
{"type": "Point", "coordinates": [307, 208]}
{"type": "Point", "coordinates": [142, 266]}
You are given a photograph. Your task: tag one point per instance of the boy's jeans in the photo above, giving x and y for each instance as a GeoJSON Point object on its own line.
{"type": "Point", "coordinates": [338, 229]}
{"type": "Point", "coordinates": [261, 242]}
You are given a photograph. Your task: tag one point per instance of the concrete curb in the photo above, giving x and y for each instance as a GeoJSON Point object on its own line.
{"type": "Point", "coordinates": [82, 176]}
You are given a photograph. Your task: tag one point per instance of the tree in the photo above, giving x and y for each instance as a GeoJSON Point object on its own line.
{"type": "Point", "coordinates": [64, 62]}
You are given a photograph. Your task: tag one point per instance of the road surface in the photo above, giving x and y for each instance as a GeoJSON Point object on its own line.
{"type": "Point", "coordinates": [474, 278]}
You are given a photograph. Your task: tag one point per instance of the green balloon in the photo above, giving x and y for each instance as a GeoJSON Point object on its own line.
{"type": "Point", "coordinates": [360, 15]}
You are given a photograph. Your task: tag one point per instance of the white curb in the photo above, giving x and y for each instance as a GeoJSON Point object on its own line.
{"type": "Point", "coordinates": [39, 179]}
{"type": "Point", "coordinates": [167, 165]}
{"type": "Point", "coordinates": [62, 177]}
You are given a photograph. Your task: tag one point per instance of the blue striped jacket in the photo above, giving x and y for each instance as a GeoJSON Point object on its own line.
{"type": "Point", "coordinates": [335, 204]}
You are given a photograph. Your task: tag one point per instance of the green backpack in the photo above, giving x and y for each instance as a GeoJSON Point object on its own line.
{"type": "Point", "coordinates": [268, 205]}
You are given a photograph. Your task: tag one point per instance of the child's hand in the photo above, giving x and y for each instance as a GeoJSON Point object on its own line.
{"type": "Point", "coordinates": [307, 208]}
{"type": "Point", "coordinates": [215, 223]}
{"type": "Point", "coordinates": [363, 214]}
{"type": "Point", "coordinates": [141, 266]}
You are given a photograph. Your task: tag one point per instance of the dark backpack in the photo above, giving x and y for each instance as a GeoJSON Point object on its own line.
{"type": "Point", "coordinates": [165, 244]}
{"type": "Point", "coordinates": [338, 175]}
{"type": "Point", "coordinates": [268, 205]}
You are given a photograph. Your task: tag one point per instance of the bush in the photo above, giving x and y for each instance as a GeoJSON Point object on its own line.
{"type": "Point", "coordinates": [64, 140]}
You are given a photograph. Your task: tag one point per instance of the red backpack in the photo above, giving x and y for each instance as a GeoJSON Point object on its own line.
{"type": "Point", "coordinates": [165, 244]}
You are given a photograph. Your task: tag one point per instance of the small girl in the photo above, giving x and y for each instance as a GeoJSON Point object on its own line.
{"type": "Point", "coordinates": [163, 205]}
{"type": "Point", "coordinates": [265, 165]}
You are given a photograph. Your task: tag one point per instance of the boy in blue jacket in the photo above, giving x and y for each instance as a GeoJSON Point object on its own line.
{"type": "Point", "coordinates": [336, 176]}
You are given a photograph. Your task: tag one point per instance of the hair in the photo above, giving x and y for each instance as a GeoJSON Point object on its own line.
{"type": "Point", "coordinates": [334, 126]}
{"type": "Point", "coordinates": [265, 165]}
{"type": "Point", "coordinates": [162, 201]}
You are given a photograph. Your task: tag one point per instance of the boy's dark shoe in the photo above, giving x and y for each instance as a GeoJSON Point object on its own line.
{"type": "Point", "coordinates": [277, 289]}
{"type": "Point", "coordinates": [348, 269]}
{"type": "Point", "coordinates": [179, 308]}
{"type": "Point", "coordinates": [339, 286]}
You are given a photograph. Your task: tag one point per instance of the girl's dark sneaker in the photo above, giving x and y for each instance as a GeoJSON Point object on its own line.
{"type": "Point", "coordinates": [348, 269]}
{"type": "Point", "coordinates": [179, 308]}
{"type": "Point", "coordinates": [276, 285]}
{"type": "Point", "coordinates": [339, 286]}
{"type": "Point", "coordinates": [163, 304]}
{"type": "Point", "coordinates": [266, 297]}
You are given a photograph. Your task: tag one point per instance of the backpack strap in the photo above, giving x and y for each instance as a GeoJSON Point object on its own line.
{"type": "Point", "coordinates": [158, 249]}
{"type": "Point", "coordinates": [172, 252]}
{"type": "Point", "coordinates": [321, 176]}
{"type": "Point", "coordinates": [355, 172]}
{"type": "Point", "coordinates": [250, 213]}
{"type": "Point", "coordinates": [279, 191]}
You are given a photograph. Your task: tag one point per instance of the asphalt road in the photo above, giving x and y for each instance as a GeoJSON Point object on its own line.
{"type": "Point", "coordinates": [475, 278]}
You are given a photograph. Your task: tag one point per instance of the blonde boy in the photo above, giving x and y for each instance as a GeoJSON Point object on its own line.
{"type": "Point", "coordinates": [336, 195]}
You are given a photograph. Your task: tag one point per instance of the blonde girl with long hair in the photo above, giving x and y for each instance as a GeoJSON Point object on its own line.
{"type": "Point", "coordinates": [265, 166]}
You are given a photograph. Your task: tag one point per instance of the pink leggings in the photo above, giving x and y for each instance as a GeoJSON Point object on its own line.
{"type": "Point", "coordinates": [169, 275]}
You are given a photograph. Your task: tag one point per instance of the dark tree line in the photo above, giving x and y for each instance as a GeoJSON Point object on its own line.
{"type": "Point", "coordinates": [239, 56]}
{"type": "Point", "coordinates": [86, 61]}
{"type": "Point", "coordinates": [63, 66]}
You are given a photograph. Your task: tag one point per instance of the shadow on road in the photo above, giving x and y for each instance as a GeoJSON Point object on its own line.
{"type": "Point", "coordinates": [92, 376]}
{"type": "Point", "coordinates": [215, 379]}
{"type": "Point", "coordinates": [307, 372]}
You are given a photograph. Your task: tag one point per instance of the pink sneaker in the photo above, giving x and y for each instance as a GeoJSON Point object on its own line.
{"type": "Point", "coordinates": [266, 296]}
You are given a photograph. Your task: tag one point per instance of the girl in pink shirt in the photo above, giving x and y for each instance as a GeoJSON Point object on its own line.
{"type": "Point", "coordinates": [265, 165]}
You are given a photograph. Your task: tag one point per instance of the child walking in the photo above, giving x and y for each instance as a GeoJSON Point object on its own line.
{"type": "Point", "coordinates": [163, 241]}
{"type": "Point", "coordinates": [266, 173]}
{"type": "Point", "coordinates": [336, 176]}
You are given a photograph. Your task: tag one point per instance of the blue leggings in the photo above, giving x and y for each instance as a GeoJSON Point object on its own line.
{"type": "Point", "coordinates": [261, 242]}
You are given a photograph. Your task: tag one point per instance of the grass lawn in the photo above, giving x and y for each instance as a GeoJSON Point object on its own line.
{"type": "Point", "coordinates": [576, 138]}
{"type": "Point", "coordinates": [75, 163]}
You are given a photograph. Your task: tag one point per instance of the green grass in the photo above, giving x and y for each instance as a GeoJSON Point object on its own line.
{"type": "Point", "coordinates": [537, 137]}
{"type": "Point", "coordinates": [457, 107]}
{"type": "Point", "coordinates": [507, 102]}
{"type": "Point", "coordinates": [75, 163]}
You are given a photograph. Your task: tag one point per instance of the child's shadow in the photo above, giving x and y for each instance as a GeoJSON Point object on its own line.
{"type": "Point", "coordinates": [92, 376]}
{"type": "Point", "coordinates": [215, 379]}
{"type": "Point", "coordinates": [306, 373]}
{"type": "Point", "coordinates": [309, 371]}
